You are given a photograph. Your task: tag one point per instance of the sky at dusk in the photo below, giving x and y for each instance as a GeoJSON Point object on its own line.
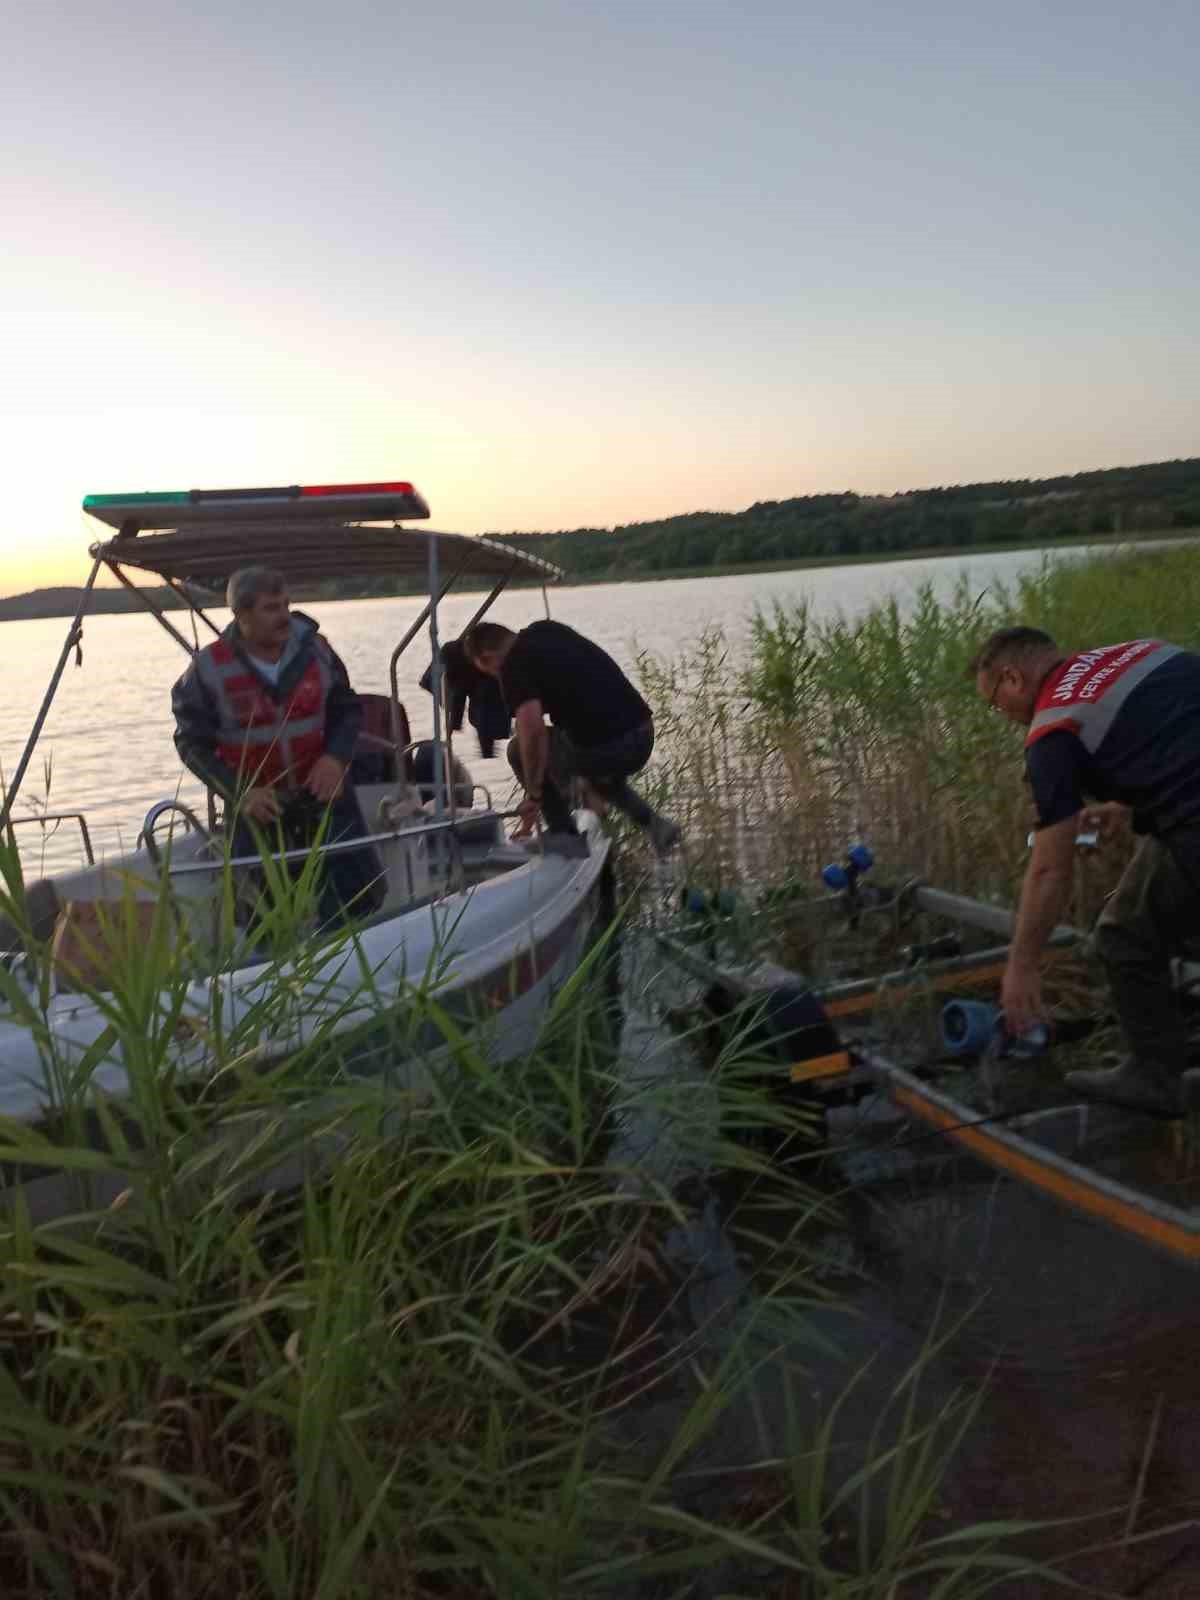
{"type": "Point", "coordinates": [575, 264]}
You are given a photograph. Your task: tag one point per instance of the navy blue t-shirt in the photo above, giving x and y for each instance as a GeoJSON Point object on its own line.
{"type": "Point", "coordinates": [1149, 759]}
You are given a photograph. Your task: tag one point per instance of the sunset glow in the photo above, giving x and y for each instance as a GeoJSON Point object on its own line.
{"type": "Point", "coordinates": [575, 267]}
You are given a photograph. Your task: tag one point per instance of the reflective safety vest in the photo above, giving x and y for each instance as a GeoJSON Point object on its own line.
{"type": "Point", "coordinates": [1084, 694]}
{"type": "Point", "coordinates": [266, 741]}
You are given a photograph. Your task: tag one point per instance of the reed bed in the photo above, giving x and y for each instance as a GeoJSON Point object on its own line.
{"type": "Point", "coordinates": [300, 1333]}
{"type": "Point", "coordinates": [825, 732]}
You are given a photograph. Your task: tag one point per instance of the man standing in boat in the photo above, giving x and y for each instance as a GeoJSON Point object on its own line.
{"type": "Point", "coordinates": [1119, 725]}
{"type": "Point", "coordinates": [602, 730]}
{"type": "Point", "coordinates": [266, 716]}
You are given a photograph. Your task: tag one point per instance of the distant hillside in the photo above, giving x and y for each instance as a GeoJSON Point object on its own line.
{"type": "Point", "coordinates": [62, 601]}
{"type": "Point", "coordinates": [1028, 510]}
{"type": "Point", "coordinates": [1117, 500]}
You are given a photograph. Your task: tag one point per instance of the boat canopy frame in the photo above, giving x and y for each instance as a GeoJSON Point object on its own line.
{"type": "Point", "coordinates": [197, 544]}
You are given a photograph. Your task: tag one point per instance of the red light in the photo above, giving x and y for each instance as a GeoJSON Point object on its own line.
{"type": "Point", "coordinates": [360, 488]}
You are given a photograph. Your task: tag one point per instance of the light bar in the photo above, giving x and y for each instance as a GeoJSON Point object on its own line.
{"type": "Point", "coordinates": [96, 502]}
{"type": "Point", "coordinates": [363, 502]}
{"type": "Point", "coordinates": [360, 488]}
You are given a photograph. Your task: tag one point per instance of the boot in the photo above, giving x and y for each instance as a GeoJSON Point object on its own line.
{"type": "Point", "coordinates": [1135, 1085]}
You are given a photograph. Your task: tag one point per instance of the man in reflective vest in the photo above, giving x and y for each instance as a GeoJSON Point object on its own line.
{"type": "Point", "coordinates": [266, 716]}
{"type": "Point", "coordinates": [1113, 739]}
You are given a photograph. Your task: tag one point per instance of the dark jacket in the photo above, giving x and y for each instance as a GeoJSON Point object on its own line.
{"type": "Point", "coordinates": [196, 723]}
{"type": "Point", "coordinates": [467, 690]}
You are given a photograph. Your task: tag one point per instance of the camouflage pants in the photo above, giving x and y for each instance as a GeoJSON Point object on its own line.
{"type": "Point", "coordinates": [1150, 917]}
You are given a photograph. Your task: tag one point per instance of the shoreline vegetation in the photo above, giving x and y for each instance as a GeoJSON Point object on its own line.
{"type": "Point", "coordinates": [471, 1359]}
{"type": "Point", "coordinates": [40, 605]}
{"type": "Point", "coordinates": [830, 729]}
{"type": "Point", "coordinates": [465, 1356]}
{"type": "Point", "coordinates": [1118, 505]}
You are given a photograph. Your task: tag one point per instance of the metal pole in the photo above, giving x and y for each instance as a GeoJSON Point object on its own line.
{"type": "Point", "coordinates": [978, 914]}
{"type": "Point", "coordinates": [74, 636]}
{"type": "Point", "coordinates": [487, 603]}
{"type": "Point", "coordinates": [394, 676]}
{"type": "Point", "coordinates": [196, 610]}
{"type": "Point", "coordinates": [191, 869]}
{"type": "Point", "coordinates": [436, 679]}
{"type": "Point", "coordinates": [151, 607]}
{"type": "Point", "coordinates": [760, 978]}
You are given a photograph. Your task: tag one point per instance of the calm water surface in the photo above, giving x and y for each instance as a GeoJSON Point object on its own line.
{"type": "Point", "coordinates": [107, 750]}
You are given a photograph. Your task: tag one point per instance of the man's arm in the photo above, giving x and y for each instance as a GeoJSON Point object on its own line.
{"type": "Point", "coordinates": [532, 741]}
{"type": "Point", "coordinates": [343, 719]}
{"type": "Point", "coordinates": [1044, 896]}
{"type": "Point", "coordinates": [196, 735]}
{"type": "Point", "coordinates": [343, 711]}
{"type": "Point", "coordinates": [196, 742]}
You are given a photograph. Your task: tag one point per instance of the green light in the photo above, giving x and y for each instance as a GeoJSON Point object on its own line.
{"type": "Point", "coordinates": [93, 502]}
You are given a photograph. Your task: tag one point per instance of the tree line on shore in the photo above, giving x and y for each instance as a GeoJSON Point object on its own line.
{"type": "Point", "coordinates": [1161, 496]}
{"type": "Point", "coordinates": [1119, 500]}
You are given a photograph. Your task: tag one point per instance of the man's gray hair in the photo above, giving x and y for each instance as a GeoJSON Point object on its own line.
{"type": "Point", "coordinates": [248, 584]}
{"type": "Point", "coordinates": [1010, 646]}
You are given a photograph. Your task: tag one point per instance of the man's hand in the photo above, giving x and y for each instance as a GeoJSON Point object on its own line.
{"type": "Point", "coordinates": [1110, 820]}
{"type": "Point", "coordinates": [529, 811]}
{"type": "Point", "coordinates": [1021, 995]}
{"type": "Point", "coordinates": [259, 805]}
{"type": "Point", "coordinates": [325, 780]}
{"type": "Point", "coordinates": [1044, 896]}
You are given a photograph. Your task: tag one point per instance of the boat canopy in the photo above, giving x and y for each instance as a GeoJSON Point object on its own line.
{"type": "Point", "coordinates": [202, 536]}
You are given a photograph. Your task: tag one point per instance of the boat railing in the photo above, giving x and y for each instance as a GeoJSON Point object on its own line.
{"type": "Point", "coordinates": [438, 589]}
{"type": "Point", "coordinates": [45, 817]}
{"type": "Point", "coordinates": [434, 825]}
{"type": "Point", "coordinates": [191, 822]}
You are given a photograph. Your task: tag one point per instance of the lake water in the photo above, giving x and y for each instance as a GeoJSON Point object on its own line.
{"type": "Point", "coordinates": [107, 747]}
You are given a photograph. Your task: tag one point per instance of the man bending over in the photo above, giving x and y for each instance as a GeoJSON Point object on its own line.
{"type": "Point", "coordinates": [1118, 724]}
{"type": "Point", "coordinates": [602, 730]}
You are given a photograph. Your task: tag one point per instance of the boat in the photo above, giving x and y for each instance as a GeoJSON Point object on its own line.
{"type": "Point", "coordinates": [1133, 1174]}
{"type": "Point", "coordinates": [492, 928]}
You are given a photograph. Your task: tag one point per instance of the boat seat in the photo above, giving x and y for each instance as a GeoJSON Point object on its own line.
{"type": "Point", "coordinates": [42, 906]}
{"type": "Point", "coordinates": [374, 759]}
{"type": "Point", "coordinates": [95, 941]}
{"type": "Point", "coordinates": [422, 776]}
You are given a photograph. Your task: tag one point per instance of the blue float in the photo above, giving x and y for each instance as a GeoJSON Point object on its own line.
{"type": "Point", "coordinates": [840, 875]}
{"type": "Point", "coordinates": [969, 1027]}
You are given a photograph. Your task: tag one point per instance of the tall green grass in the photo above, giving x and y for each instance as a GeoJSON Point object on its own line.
{"type": "Point", "coordinates": [306, 1331]}
{"type": "Point", "coordinates": [823, 731]}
